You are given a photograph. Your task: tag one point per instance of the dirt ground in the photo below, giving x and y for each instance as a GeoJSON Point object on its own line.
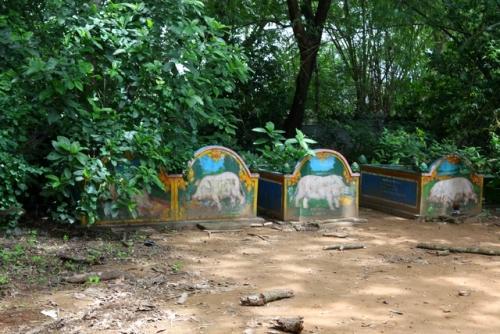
{"type": "Point", "coordinates": [191, 282]}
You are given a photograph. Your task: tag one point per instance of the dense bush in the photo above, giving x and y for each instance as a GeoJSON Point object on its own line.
{"type": "Point", "coordinates": [418, 150]}
{"type": "Point", "coordinates": [275, 153]}
{"type": "Point", "coordinates": [99, 96]}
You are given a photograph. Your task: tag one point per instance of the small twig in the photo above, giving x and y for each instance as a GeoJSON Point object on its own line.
{"type": "Point", "coordinates": [342, 247]}
{"type": "Point", "coordinates": [257, 235]}
{"type": "Point", "coordinates": [220, 231]}
{"type": "Point", "coordinates": [336, 235]}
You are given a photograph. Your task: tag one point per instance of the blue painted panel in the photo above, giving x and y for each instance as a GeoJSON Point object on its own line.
{"type": "Point", "coordinates": [388, 188]}
{"type": "Point", "coordinates": [270, 195]}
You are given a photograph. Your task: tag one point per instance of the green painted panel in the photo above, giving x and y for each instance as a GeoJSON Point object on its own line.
{"type": "Point", "coordinates": [322, 187]}
{"type": "Point", "coordinates": [452, 187]}
{"type": "Point", "coordinates": [218, 185]}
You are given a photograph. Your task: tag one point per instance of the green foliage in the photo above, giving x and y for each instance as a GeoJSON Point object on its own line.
{"type": "Point", "coordinates": [275, 153]}
{"type": "Point", "coordinates": [101, 96]}
{"type": "Point", "coordinates": [400, 147]}
{"type": "Point", "coordinates": [16, 174]}
{"type": "Point", "coordinates": [495, 154]}
{"type": "Point", "coordinates": [457, 97]}
{"type": "Point", "coordinates": [94, 279]}
{"type": "Point", "coordinates": [177, 266]}
{"type": "Point", "coordinates": [418, 150]}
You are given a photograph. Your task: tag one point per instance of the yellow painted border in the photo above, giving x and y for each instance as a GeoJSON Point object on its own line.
{"type": "Point", "coordinates": [255, 194]}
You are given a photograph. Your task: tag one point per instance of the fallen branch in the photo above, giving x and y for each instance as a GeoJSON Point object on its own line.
{"type": "Point", "coordinates": [345, 220]}
{"type": "Point", "coordinates": [471, 250]}
{"type": "Point", "coordinates": [103, 276]}
{"type": "Point", "coordinates": [265, 297]}
{"type": "Point", "coordinates": [289, 325]}
{"type": "Point", "coordinates": [257, 235]}
{"type": "Point", "coordinates": [344, 247]}
{"type": "Point", "coordinates": [336, 235]}
{"type": "Point", "coordinates": [220, 231]}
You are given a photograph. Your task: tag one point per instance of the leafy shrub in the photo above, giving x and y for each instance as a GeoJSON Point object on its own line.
{"type": "Point", "coordinates": [275, 152]}
{"type": "Point", "coordinates": [15, 176]}
{"type": "Point", "coordinates": [402, 148]}
{"type": "Point", "coordinates": [418, 150]}
{"type": "Point", "coordinates": [101, 96]}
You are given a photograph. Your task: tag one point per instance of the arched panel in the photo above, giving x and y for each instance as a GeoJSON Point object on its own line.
{"type": "Point", "coordinates": [217, 185]}
{"type": "Point", "coordinates": [451, 187]}
{"type": "Point", "coordinates": [322, 186]}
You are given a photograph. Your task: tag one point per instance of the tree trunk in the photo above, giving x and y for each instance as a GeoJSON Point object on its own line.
{"type": "Point", "coordinates": [296, 116]}
{"type": "Point", "coordinates": [307, 29]}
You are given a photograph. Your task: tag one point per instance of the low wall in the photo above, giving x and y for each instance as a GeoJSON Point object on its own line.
{"type": "Point", "coordinates": [450, 187]}
{"type": "Point", "coordinates": [217, 186]}
{"type": "Point", "coordinates": [321, 187]}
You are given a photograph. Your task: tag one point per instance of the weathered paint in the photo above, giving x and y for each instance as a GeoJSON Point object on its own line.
{"type": "Point", "coordinates": [449, 187]}
{"type": "Point", "coordinates": [217, 185]}
{"type": "Point", "coordinates": [321, 187]}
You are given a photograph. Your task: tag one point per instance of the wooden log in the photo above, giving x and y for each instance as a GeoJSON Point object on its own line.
{"type": "Point", "coordinates": [210, 232]}
{"type": "Point", "coordinates": [103, 276]}
{"type": "Point", "coordinates": [265, 297]}
{"type": "Point", "coordinates": [289, 325]}
{"type": "Point", "coordinates": [471, 250]}
{"type": "Point", "coordinates": [227, 225]}
{"type": "Point", "coordinates": [336, 235]}
{"type": "Point", "coordinates": [344, 246]}
{"type": "Point", "coordinates": [344, 220]}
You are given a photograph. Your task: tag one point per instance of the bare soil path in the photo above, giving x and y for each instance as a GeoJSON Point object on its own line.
{"type": "Point", "coordinates": [192, 283]}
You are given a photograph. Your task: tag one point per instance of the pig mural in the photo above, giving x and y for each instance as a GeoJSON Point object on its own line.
{"type": "Point", "coordinates": [321, 187]}
{"type": "Point", "coordinates": [329, 188]}
{"type": "Point", "coordinates": [217, 187]}
{"type": "Point", "coordinates": [453, 192]}
{"type": "Point", "coordinates": [451, 187]}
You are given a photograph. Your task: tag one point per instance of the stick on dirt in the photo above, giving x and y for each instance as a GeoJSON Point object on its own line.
{"type": "Point", "coordinates": [471, 250]}
{"type": "Point", "coordinates": [103, 276]}
{"type": "Point", "coordinates": [257, 235]}
{"type": "Point", "coordinates": [336, 235]}
{"type": "Point", "coordinates": [265, 297]}
{"type": "Point", "coordinates": [344, 246]}
{"type": "Point", "coordinates": [289, 325]}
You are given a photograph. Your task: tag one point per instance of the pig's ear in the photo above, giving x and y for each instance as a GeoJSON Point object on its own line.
{"type": "Point", "coordinates": [197, 183]}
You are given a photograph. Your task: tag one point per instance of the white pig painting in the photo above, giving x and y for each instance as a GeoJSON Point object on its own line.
{"type": "Point", "coordinates": [457, 190]}
{"type": "Point", "coordinates": [328, 188]}
{"type": "Point", "coordinates": [215, 188]}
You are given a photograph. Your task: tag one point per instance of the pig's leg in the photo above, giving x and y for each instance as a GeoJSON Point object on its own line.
{"type": "Point", "coordinates": [297, 201]}
{"type": "Point", "coordinates": [242, 197]}
{"type": "Point", "coordinates": [304, 203]}
{"type": "Point", "coordinates": [298, 197]}
{"type": "Point", "coordinates": [330, 199]}
{"type": "Point", "coordinates": [215, 199]}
